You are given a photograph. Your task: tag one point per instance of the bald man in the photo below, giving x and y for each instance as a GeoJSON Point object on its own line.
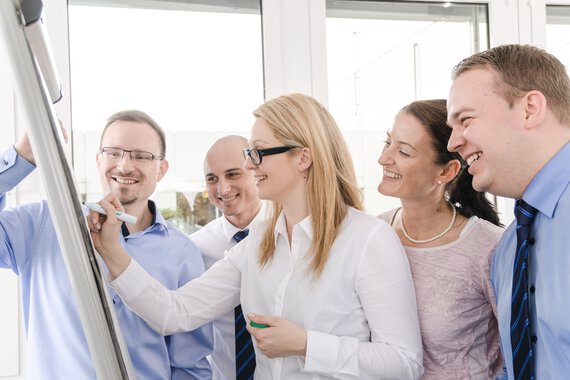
{"type": "Point", "coordinates": [231, 189]}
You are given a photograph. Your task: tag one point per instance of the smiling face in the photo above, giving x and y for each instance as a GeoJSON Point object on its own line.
{"type": "Point", "coordinates": [230, 187]}
{"type": "Point", "coordinates": [487, 133]}
{"type": "Point", "coordinates": [408, 160]}
{"type": "Point", "coordinates": [278, 176]}
{"type": "Point", "coordinates": [132, 181]}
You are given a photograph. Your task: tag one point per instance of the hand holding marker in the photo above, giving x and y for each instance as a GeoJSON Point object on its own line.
{"type": "Point", "coordinates": [120, 215]}
{"type": "Point", "coordinates": [258, 325]}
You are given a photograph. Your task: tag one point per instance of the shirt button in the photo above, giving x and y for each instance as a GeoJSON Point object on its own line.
{"type": "Point", "coordinates": [533, 339]}
{"type": "Point", "coordinates": [532, 289]}
{"type": "Point", "coordinates": [5, 162]}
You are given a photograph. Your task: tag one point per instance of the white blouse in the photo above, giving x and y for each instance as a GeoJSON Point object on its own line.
{"type": "Point", "coordinates": [360, 314]}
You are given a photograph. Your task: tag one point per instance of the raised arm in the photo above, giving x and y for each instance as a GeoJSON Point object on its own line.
{"type": "Point", "coordinates": [166, 311]}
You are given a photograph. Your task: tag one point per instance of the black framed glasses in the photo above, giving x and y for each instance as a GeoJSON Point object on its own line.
{"type": "Point", "coordinates": [256, 155]}
{"type": "Point", "coordinates": [116, 154]}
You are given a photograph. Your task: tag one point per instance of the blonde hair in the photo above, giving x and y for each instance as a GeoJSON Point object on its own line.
{"type": "Point", "coordinates": [300, 120]}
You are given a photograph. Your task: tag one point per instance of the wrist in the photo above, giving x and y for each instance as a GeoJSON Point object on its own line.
{"type": "Point", "coordinates": [25, 152]}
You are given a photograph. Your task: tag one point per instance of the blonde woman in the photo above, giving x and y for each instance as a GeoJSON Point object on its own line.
{"type": "Point", "coordinates": [332, 283]}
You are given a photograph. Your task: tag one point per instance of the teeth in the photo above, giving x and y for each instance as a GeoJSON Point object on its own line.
{"type": "Point", "coordinates": [474, 157]}
{"type": "Point", "coordinates": [259, 178]}
{"type": "Point", "coordinates": [125, 181]}
{"type": "Point", "coordinates": [392, 175]}
{"type": "Point", "coordinates": [228, 199]}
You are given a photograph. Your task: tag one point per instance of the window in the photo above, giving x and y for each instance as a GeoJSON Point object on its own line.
{"type": "Point", "coordinates": [558, 32]}
{"type": "Point", "coordinates": [384, 55]}
{"type": "Point", "coordinates": [194, 66]}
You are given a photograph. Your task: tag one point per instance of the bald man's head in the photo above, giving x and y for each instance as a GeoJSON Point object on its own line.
{"type": "Point", "coordinates": [230, 187]}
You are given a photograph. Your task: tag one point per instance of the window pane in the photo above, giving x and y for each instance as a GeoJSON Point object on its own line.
{"type": "Point", "coordinates": [384, 55]}
{"type": "Point", "coordinates": [558, 32]}
{"type": "Point", "coordinates": [194, 66]}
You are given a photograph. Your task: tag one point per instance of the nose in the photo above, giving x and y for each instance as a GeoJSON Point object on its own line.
{"type": "Point", "coordinates": [125, 163]}
{"type": "Point", "coordinates": [223, 186]}
{"type": "Point", "coordinates": [248, 164]}
{"type": "Point", "coordinates": [385, 157]}
{"type": "Point", "coordinates": [456, 140]}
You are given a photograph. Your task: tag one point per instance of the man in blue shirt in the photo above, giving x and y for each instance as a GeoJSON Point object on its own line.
{"type": "Point", "coordinates": [130, 163]}
{"type": "Point", "coordinates": [509, 108]}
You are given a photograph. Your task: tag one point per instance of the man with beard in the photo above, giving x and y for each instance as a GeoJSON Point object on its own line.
{"type": "Point", "coordinates": [131, 160]}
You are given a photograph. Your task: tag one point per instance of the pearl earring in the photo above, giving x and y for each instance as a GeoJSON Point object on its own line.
{"type": "Point", "coordinates": [439, 182]}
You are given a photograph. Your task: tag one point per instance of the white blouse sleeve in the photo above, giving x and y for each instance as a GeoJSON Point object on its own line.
{"type": "Point", "coordinates": [167, 311]}
{"type": "Point", "coordinates": [385, 288]}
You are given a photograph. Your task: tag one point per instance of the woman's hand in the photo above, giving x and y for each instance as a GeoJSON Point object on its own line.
{"type": "Point", "coordinates": [281, 338]}
{"type": "Point", "coordinates": [105, 231]}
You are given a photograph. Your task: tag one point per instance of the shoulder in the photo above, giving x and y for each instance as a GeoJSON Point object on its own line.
{"type": "Point", "coordinates": [211, 231]}
{"type": "Point", "coordinates": [388, 215]}
{"type": "Point", "coordinates": [481, 242]}
{"type": "Point", "coordinates": [361, 224]}
{"type": "Point", "coordinates": [487, 230]}
{"type": "Point", "coordinates": [175, 232]}
{"type": "Point", "coordinates": [180, 241]}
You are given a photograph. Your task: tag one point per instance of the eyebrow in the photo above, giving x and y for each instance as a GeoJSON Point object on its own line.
{"type": "Point", "coordinates": [455, 115]}
{"type": "Point", "coordinates": [255, 142]}
{"type": "Point", "coordinates": [403, 143]}
{"type": "Point", "coordinates": [225, 172]}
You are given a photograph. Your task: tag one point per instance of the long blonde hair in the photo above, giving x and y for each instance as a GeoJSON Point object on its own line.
{"type": "Point", "coordinates": [300, 120]}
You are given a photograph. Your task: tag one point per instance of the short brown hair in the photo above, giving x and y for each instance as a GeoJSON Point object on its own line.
{"type": "Point", "coordinates": [523, 68]}
{"type": "Point", "coordinates": [137, 116]}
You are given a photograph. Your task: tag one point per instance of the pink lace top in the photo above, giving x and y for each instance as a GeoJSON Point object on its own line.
{"type": "Point", "coordinates": [456, 304]}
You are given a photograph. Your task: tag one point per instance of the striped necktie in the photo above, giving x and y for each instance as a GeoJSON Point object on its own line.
{"type": "Point", "coordinates": [245, 354]}
{"type": "Point", "coordinates": [523, 366]}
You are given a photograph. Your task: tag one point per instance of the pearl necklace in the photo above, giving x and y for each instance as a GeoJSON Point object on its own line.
{"type": "Point", "coordinates": [431, 238]}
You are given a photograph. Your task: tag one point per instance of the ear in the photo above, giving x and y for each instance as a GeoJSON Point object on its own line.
{"type": "Point", "coordinates": [449, 171]}
{"type": "Point", "coordinates": [162, 169]}
{"type": "Point", "coordinates": [535, 109]}
{"type": "Point", "coordinates": [306, 159]}
{"type": "Point", "coordinates": [98, 158]}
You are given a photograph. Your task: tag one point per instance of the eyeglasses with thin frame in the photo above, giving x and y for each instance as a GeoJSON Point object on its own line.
{"type": "Point", "coordinates": [256, 155]}
{"type": "Point", "coordinates": [141, 156]}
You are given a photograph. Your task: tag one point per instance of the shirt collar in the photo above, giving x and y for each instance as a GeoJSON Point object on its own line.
{"type": "Point", "coordinates": [546, 188]}
{"type": "Point", "coordinates": [281, 227]}
{"type": "Point", "coordinates": [158, 222]}
{"type": "Point", "coordinates": [230, 230]}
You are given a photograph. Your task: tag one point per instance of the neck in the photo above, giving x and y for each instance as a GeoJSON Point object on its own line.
{"type": "Point", "coordinates": [427, 224]}
{"type": "Point", "coordinates": [143, 214]}
{"type": "Point", "coordinates": [244, 219]}
{"type": "Point", "coordinates": [293, 215]}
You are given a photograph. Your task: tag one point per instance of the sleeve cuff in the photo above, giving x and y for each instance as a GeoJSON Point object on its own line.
{"type": "Point", "coordinates": [13, 169]}
{"type": "Point", "coordinates": [324, 353]}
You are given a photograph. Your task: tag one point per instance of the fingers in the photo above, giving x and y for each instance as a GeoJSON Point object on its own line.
{"type": "Point", "coordinates": [114, 201]}
{"type": "Point", "coordinates": [63, 130]}
{"type": "Point", "coordinates": [94, 221]}
{"type": "Point", "coordinates": [261, 321]}
{"type": "Point", "coordinates": [110, 210]}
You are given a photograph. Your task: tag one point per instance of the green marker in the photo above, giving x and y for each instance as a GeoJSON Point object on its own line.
{"type": "Point", "coordinates": [258, 325]}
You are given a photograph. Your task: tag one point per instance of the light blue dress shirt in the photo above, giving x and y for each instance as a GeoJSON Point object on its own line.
{"type": "Point", "coordinates": [57, 347]}
{"type": "Point", "coordinates": [549, 271]}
